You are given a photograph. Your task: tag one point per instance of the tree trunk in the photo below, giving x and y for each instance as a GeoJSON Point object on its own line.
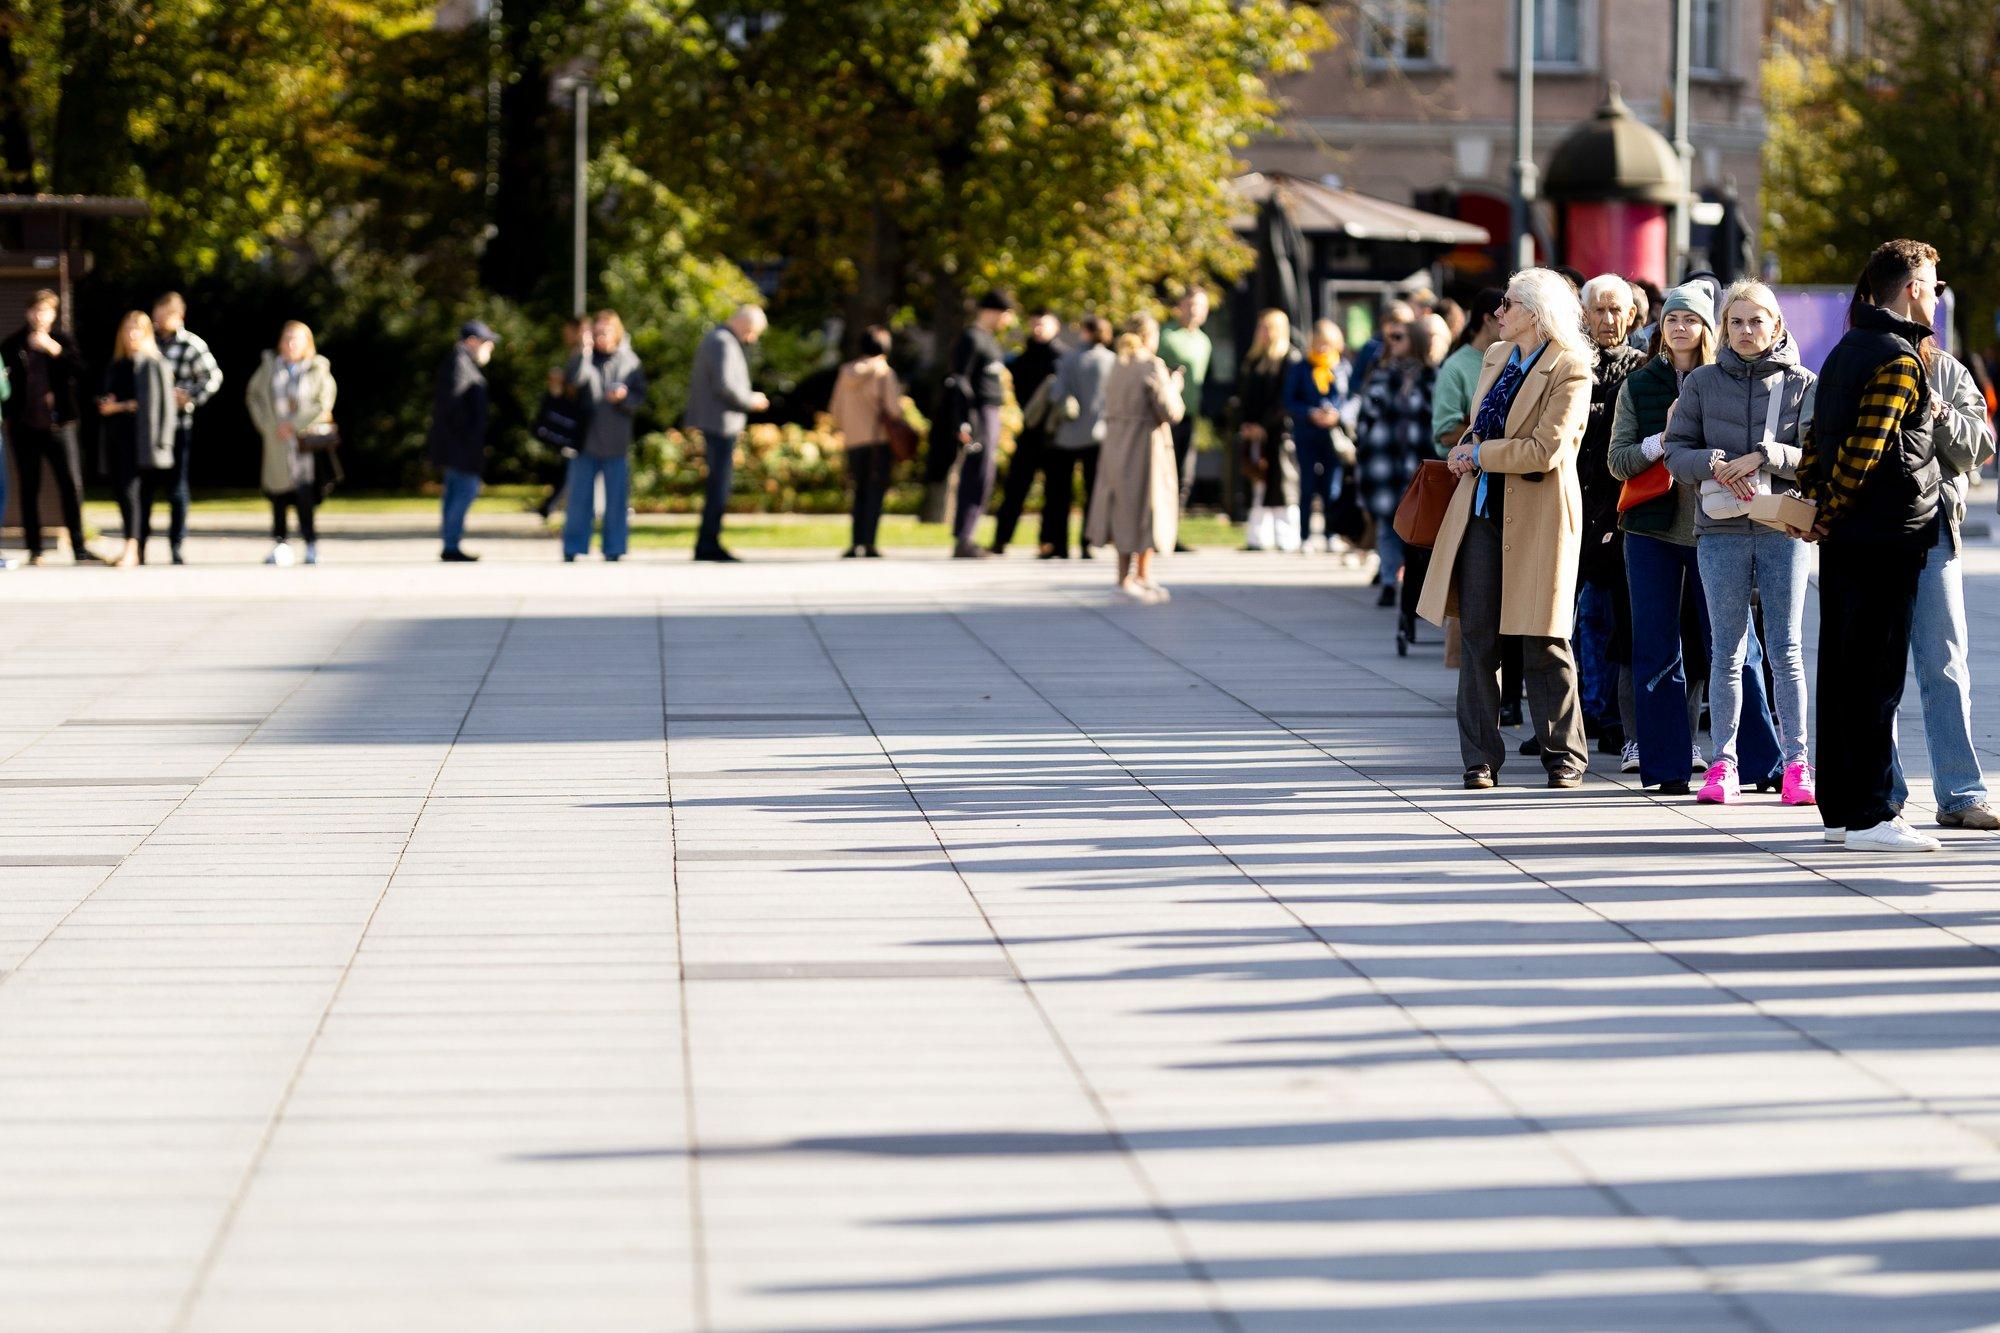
{"type": "Point", "coordinates": [17, 146]}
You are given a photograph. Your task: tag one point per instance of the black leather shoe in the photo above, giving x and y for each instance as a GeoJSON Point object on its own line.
{"type": "Point", "coordinates": [1478, 778]}
{"type": "Point", "coordinates": [717, 556]}
{"type": "Point", "coordinates": [1672, 789]}
{"type": "Point", "coordinates": [1532, 745]}
{"type": "Point", "coordinates": [870, 553]}
{"type": "Point", "coordinates": [459, 558]}
{"type": "Point", "coordinates": [1387, 597]}
{"type": "Point", "coordinates": [1567, 776]}
{"type": "Point", "coordinates": [1511, 717]}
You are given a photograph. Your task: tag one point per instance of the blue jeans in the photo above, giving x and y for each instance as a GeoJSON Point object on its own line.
{"type": "Point", "coordinates": [583, 474]}
{"type": "Point", "coordinates": [1319, 475]}
{"type": "Point", "coordinates": [1776, 567]}
{"type": "Point", "coordinates": [1597, 674]}
{"type": "Point", "coordinates": [460, 490]}
{"type": "Point", "coordinates": [1660, 575]}
{"type": "Point", "coordinates": [1390, 547]}
{"type": "Point", "coordinates": [1944, 678]}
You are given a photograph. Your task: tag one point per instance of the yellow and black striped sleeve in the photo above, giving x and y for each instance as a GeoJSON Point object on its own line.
{"type": "Point", "coordinates": [1890, 396]}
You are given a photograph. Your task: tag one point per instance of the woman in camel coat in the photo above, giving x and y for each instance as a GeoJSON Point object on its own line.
{"type": "Point", "coordinates": [1135, 508]}
{"type": "Point", "coordinates": [1506, 556]}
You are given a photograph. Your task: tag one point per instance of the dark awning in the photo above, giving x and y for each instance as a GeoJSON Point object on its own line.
{"type": "Point", "coordinates": [1321, 210]}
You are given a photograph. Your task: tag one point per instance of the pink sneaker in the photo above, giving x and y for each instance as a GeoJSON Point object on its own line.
{"type": "Point", "coordinates": [1720, 786]}
{"type": "Point", "coordinates": [1801, 787]}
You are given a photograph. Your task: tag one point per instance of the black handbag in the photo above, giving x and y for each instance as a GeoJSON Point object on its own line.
{"type": "Point", "coordinates": [321, 439]}
{"type": "Point", "coordinates": [560, 422]}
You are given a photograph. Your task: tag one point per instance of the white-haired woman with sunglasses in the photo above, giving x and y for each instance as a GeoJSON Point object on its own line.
{"type": "Point", "coordinates": [1506, 556]}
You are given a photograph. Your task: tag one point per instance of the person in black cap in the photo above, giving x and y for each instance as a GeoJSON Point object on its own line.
{"type": "Point", "coordinates": [978, 363]}
{"type": "Point", "coordinates": [458, 430]}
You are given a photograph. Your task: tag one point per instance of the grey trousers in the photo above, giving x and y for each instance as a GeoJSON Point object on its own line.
{"type": "Point", "coordinates": [1548, 676]}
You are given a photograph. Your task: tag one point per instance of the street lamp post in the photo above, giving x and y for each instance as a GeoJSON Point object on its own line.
{"type": "Point", "coordinates": [580, 193]}
{"type": "Point", "coordinates": [1679, 236]}
{"type": "Point", "coordinates": [1524, 135]}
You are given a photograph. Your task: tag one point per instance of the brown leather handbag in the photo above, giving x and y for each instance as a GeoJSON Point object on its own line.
{"type": "Point", "coordinates": [1421, 512]}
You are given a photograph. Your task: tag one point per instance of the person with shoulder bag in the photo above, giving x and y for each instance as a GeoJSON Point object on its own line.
{"type": "Point", "coordinates": [867, 399]}
{"type": "Point", "coordinates": [1657, 518]}
{"type": "Point", "coordinates": [1393, 445]}
{"type": "Point", "coordinates": [1506, 556]}
{"type": "Point", "coordinates": [1736, 435]}
{"type": "Point", "coordinates": [290, 399]}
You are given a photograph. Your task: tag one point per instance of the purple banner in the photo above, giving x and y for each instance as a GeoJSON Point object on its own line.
{"type": "Point", "coordinates": [1817, 316]}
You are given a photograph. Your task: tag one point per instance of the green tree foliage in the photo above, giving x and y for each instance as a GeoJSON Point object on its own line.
{"type": "Point", "coordinates": [904, 155]}
{"type": "Point", "coordinates": [1899, 142]}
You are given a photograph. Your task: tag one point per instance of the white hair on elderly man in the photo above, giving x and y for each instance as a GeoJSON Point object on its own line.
{"type": "Point", "coordinates": [1608, 282]}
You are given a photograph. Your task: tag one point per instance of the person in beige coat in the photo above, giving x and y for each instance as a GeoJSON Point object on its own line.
{"type": "Point", "coordinates": [291, 399]}
{"type": "Point", "coordinates": [1506, 556]}
{"type": "Point", "coordinates": [865, 396]}
{"type": "Point", "coordinates": [1135, 507]}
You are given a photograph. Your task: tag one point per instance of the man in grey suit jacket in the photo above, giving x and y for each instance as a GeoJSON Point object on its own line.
{"type": "Point", "coordinates": [719, 398]}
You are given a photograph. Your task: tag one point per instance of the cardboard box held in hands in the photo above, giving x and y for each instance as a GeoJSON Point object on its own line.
{"type": "Point", "coordinates": [1784, 511]}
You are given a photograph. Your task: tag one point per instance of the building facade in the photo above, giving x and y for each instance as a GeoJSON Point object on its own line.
{"type": "Point", "coordinates": [1416, 102]}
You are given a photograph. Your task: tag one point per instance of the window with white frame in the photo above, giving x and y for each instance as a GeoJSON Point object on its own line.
{"type": "Point", "coordinates": [1559, 32]}
{"type": "Point", "coordinates": [1708, 36]}
{"type": "Point", "coordinates": [1399, 32]}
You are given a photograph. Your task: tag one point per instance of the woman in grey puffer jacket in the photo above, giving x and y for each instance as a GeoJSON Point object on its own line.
{"type": "Point", "coordinates": [1735, 433]}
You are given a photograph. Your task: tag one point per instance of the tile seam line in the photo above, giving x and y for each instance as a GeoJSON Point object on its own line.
{"type": "Point", "coordinates": [1712, 1283]}
{"type": "Point", "coordinates": [20, 964]}
{"type": "Point", "coordinates": [1922, 1103]}
{"type": "Point", "coordinates": [700, 1296]}
{"type": "Point", "coordinates": [1681, 812]}
{"type": "Point", "coordinates": [212, 1253]}
{"type": "Point", "coordinates": [1184, 1249]}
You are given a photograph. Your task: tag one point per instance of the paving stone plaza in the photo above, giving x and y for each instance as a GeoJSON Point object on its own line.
{"type": "Point", "coordinates": [914, 945]}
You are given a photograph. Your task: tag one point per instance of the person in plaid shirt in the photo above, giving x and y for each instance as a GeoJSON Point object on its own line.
{"type": "Point", "coordinates": [196, 377]}
{"type": "Point", "coordinates": [1870, 466]}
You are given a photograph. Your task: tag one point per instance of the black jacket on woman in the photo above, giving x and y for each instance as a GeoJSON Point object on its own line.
{"type": "Point", "coordinates": [1260, 401]}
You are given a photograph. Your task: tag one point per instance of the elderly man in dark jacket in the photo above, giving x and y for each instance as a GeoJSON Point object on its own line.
{"type": "Point", "coordinates": [458, 431]}
{"type": "Point", "coordinates": [719, 401]}
{"type": "Point", "coordinates": [1604, 625]}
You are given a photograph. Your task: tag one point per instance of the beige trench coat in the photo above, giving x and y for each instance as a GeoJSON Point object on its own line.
{"type": "Point", "coordinates": [285, 468]}
{"type": "Point", "coordinates": [1136, 505]}
{"type": "Point", "coordinates": [1543, 535]}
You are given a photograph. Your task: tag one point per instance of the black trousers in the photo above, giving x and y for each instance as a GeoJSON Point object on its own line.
{"type": "Point", "coordinates": [721, 451]}
{"type": "Point", "coordinates": [58, 449]}
{"type": "Point", "coordinates": [1867, 599]}
{"type": "Point", "coordinates": [1059, 493]}
{"type": "Point", "coordinates": [976, 471]}
{"type": "Point", "coordinates": [869, 465]}
{"type": "Point", "coordinates": [1022, 468]}
{"type": "Point", "coordinates": [174, 481]}
{"type": "Point", "coordinates": [137, 489]}
{"type": "Point", "coordinates": [305, 500]}
{"type": "Point", "coordinates": [1184, 459]}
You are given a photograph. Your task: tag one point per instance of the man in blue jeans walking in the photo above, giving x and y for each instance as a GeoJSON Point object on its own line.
{"type": "Point", "coordinates": [458, 431]}
{"type": "Point", "coordinates": [1938, 640]}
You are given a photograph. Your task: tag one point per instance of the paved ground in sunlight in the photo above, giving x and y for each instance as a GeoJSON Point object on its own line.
{"type": "Point", "coordinates": [906, 945]}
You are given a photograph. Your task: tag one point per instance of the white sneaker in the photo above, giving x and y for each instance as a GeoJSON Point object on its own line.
{"type": "Point", "coordinates": [312, 553]}
{"type": "Point", "coordinates": [6, 563]}
{"type": "Point", "coordinates": [1891, 835]}
{"type": "Point", "coordinates": [1134, 590]}
{"type": "Point", "coordinates": [1156, 594]}
{"type": "Point", "coordinates": [1700, 765]}
{"type": "Point", "coordinates": [281, 555]}
{"type": "Point", "coordinates": [1628, 758]}
{"type": "Point", "coordinates": [1834, 835]}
